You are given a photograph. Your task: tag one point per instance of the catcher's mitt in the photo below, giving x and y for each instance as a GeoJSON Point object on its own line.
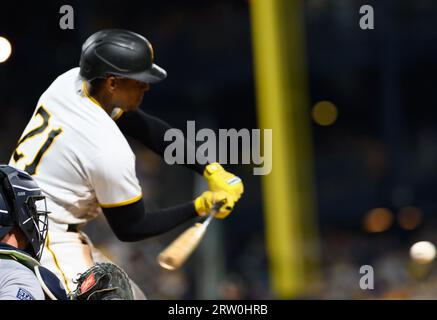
{"type": "Point", "coordinates": [103, 281]}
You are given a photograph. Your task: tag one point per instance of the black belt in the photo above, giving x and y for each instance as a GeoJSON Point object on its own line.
{"type": "Point", "coordinates": [73, 228]}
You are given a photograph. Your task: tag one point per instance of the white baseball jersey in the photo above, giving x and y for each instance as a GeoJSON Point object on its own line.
{"type": "Point", "coordinates": [76, 153]}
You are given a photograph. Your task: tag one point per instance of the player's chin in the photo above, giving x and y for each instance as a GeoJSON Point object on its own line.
{"type": "Point", "coordinates": [137, 102]}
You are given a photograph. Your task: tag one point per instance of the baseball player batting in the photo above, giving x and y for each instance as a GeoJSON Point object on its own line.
{"type": "Point", "coordinates": [74, 146]}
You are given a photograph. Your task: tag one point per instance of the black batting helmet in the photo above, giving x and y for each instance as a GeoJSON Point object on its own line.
{"type": "Point", "coordinates": [119, 52]}
{"type": "Point", "coordinates": [23, 205]}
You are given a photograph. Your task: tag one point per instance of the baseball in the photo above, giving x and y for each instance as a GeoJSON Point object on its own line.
{"type": "Point", "coordinates": [423, 252]}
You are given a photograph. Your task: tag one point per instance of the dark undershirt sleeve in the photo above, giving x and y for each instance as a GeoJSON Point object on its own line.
{"type": "Point", "coordinates": [133, 223]}
{"type": "Point", "coordinates": [150, 131]}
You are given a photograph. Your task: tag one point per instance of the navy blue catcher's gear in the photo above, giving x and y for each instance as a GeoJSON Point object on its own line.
{"type": "Point", "coordinates": [23, 205]}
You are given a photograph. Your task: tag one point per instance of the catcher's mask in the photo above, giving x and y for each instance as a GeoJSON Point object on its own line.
{"type": "Point", "coordinates": [23, 205]}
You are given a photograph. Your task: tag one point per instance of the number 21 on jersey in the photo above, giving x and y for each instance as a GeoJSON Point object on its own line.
{"type": "Point", "coordinates": [36, 142]}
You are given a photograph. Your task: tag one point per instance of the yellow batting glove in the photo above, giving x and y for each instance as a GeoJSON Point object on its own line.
{"type": "Point", "coordinates": [221, 180]}
{"type": "Point", "coordinates": [206, 201]}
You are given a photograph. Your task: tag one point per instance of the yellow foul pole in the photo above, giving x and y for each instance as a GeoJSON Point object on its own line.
{"type": "Point", "coordinates": [278, 48]}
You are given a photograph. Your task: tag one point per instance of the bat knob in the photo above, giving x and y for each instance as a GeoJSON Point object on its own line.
{"type": "Point", "coordinates": [166, 262]}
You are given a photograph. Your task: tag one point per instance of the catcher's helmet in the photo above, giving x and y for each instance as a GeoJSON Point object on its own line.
{"type": "Point", "coordinates": [23, 205]}
{"type": "Point", "coordinates": [119, 52]}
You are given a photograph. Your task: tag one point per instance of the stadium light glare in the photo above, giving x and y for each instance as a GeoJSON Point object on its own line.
{"type": "Point", "coordinates": [378, 220]}
{"type": "Point", "coordinates": [5, 49]}
{"type": "Point", "coordinates": [409, 218]}
{"type": "Point", "coordinates": [324, 113]}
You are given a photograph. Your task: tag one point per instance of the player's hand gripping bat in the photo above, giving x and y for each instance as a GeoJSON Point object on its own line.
{"type": "Point", "coordinates": [177, 252]}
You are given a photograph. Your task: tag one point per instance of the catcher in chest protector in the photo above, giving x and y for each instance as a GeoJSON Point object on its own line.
{"type": "Point", "coordinates": [23, 230]}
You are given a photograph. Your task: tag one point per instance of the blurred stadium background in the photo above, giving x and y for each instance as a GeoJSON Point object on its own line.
{"type": "Point", "coordinates": [357, 147]}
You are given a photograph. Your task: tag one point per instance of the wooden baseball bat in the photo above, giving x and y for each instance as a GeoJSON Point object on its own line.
{"type": "Point", "coordinates": [177, 252]}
